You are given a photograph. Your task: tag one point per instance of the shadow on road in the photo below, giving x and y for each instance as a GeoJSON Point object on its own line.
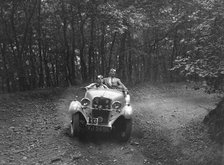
{"type": "Point", "coordinates": [93, 137]}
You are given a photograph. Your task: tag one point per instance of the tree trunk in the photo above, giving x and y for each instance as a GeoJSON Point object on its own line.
{"type": "Point", "coordinates": [47, 70]}
{"type": "Point", "coordinates": [5, 69]}
{"type": "Point", "coordinates": [82, 46]}
{"type": "Point", "coordinates": [91, 58]}
{"type": "Point", "coordinates": [32, 63]}
{"type": "Point", "coordinates": [129, 60]}
{"type": "Point", "coordinates": [122, 56]}
{"type": "Point", "coordinates": [102, 50]}
{"type": "Point", "coordinates": [66, 47]}
{"type": "Point", "coordinates": [56, 70]}
{"type": "Point", "coordinates": [173, 54]}
{"type": "Point", "coordinates": [73, 55]}
{"type": "Point", "coordinates": [111, 52]}
{"type": "Point", "coordinates": [41, 71]}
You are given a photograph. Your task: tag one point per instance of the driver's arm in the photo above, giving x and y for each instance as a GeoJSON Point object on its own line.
{"type": "Point", "coordinates": [104, 86]}
{"type": "Point", "coordinates": [91, 86]}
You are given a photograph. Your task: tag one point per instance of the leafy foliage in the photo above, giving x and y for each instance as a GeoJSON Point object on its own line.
{"type": "Point", "coordinates": [204, 57]}
{"type": "Point", "coordinates": [54, 43]}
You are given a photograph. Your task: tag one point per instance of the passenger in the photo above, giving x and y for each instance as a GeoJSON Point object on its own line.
{"type": "Point", "coordinates": [98, 84]}
{"type": "Point", "coordinates": [113, 82]}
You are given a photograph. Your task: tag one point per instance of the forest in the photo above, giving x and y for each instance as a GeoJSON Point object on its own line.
{"type": "Point", "coordinates": [49, 43]}
{"type": "Point", "coordinates": [169, 53]}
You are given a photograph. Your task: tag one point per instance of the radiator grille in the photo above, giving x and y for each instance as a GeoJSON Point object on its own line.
{"type": "Point", "coordinates": [101, 108]}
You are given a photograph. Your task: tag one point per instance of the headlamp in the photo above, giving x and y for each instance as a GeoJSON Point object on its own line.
{"type": "Point", "coordinates": [116, 105]}
{"type": "Point", "coordinates": [85, 102]}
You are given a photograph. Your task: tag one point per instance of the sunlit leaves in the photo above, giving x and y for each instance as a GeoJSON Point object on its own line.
{"type": "Point", "coordinates": [204, 58]}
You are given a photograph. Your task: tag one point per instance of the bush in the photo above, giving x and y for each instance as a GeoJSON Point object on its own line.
{"type": "Point", "coordinates": [215, 122]}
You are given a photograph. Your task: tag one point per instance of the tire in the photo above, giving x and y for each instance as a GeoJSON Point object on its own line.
{"type": "Point", "coordinates": [123, 129]}
{"type": "Point", "coordinates": [77, 127]}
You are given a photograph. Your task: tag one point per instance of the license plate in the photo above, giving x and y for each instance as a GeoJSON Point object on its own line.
{"type": "Point", "coordinates": [98, 128]}
{"type": "Point", "coordinates": [93, 120]}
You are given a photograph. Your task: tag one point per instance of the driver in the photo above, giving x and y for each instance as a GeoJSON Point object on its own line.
{"type": "Point", "coordinates": [98, 84]}
{"type": "Point", "coordinates": [113, 82]}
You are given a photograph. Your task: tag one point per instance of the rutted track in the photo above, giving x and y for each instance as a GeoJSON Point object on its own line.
{"type": "Point", "coordinates": [167, 130]}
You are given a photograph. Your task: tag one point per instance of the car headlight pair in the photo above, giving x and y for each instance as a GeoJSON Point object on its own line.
{"type": "Point", "coordinates": [86, 102]}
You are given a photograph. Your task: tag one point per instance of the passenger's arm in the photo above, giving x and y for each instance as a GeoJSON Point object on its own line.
{"type": "Point", "coordinates": [122, 85]}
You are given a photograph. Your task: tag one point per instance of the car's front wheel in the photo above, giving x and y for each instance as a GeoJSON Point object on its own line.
{"type": "Point", "coordinates": [77, 125]}
{"type": "Point", "coordinates": [123, 129]}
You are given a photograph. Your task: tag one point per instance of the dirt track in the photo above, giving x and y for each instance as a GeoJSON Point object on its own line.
{"type": "Point", "coordinates": [167, 129]}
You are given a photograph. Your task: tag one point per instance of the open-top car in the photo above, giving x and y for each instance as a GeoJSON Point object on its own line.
{"type": "Point", "coordinates": [102, 110]}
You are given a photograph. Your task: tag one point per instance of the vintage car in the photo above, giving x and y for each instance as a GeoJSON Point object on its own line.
{"type": "Point", "coordinates": [102, 110]}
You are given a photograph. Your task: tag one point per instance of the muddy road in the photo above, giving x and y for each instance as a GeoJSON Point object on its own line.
{"type": "Point", "coordinates": [167, 129]}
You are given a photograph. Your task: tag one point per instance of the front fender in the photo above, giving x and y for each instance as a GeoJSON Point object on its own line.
{"type": "Point", "coordinates": [74, 107]}
{"type": "Point", "coordinates": [128, 112]}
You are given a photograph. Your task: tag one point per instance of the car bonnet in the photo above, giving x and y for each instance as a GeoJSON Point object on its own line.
{"type": "Point", "coordinates": [112, 94]}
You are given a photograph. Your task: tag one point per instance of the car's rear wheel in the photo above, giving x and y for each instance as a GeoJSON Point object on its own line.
{"type": "Point", "coordinates": [122, 129]}
{"type": "Point", "coordinates": [78, 125]}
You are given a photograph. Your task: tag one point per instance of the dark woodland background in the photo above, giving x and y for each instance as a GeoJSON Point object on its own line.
{"type": "Point", "coordinates": [49, 43]}
{"type": "Point", "coordinates": [61, 43]}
